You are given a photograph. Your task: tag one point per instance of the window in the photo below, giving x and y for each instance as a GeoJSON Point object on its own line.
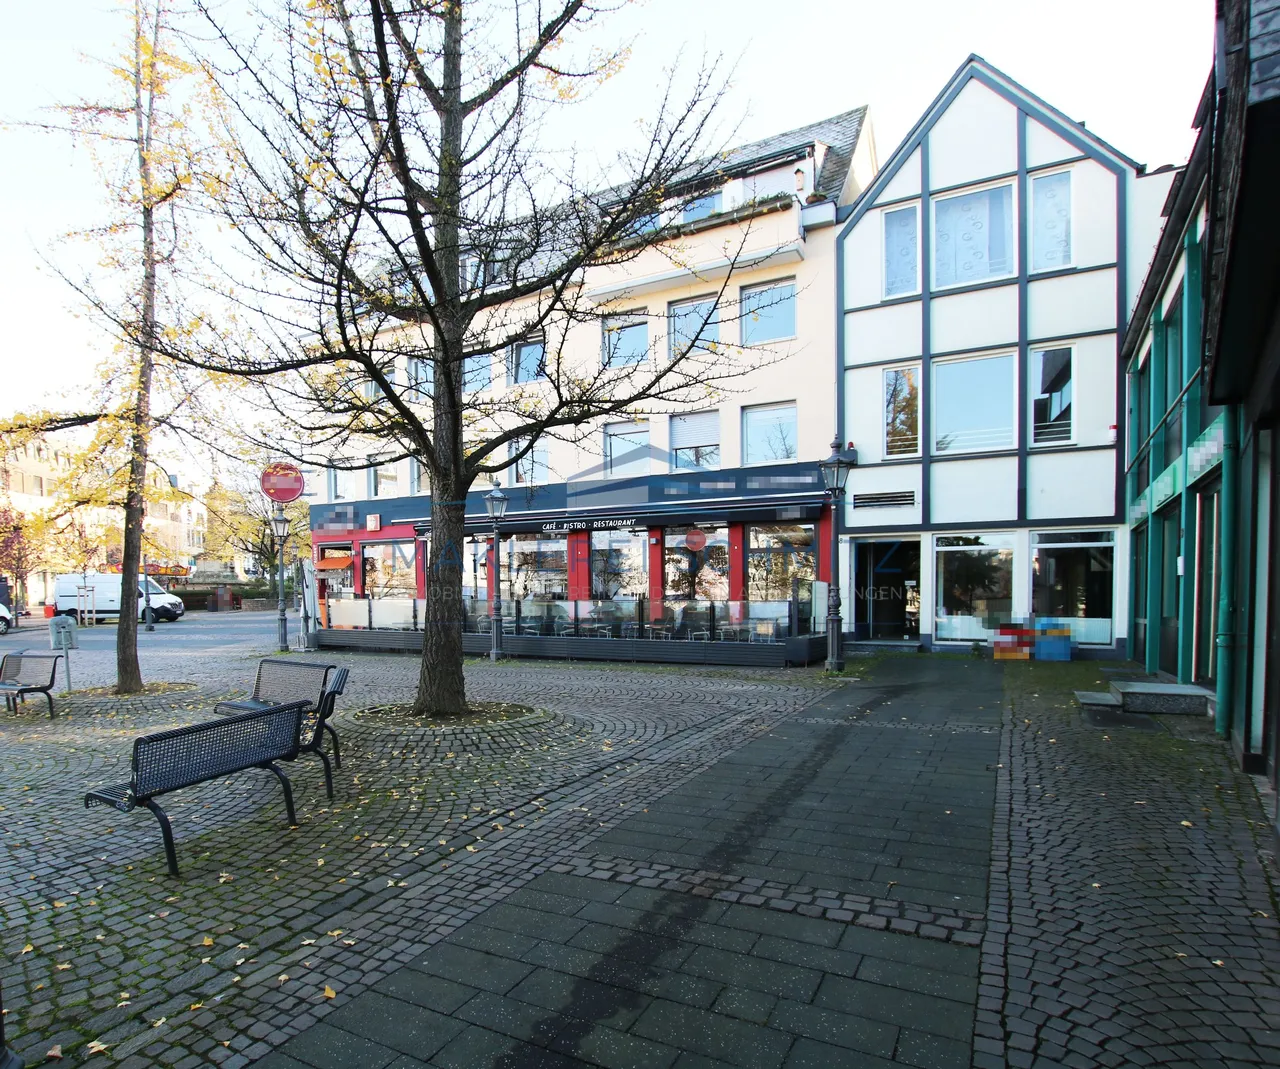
{"type": "Point", "coordinates": [1142, 387]}
{"type": "Point", "coordinates": [528, 361]}
{"type": "Point", "coordinates": [901, 411]}
{"type": "Point", "coordinates": [421, 375]}
{"type": "Point", "coordinates": [536, 567]}
{"type": "Point", "coordinates": [768, 313]}
{"type": "Point", "coordinates": [777, 554]}
{"type": "Point", "coordinates": [901, 251]}
{"type": "Point", "coordinates": [419, 482]}
{"type": "Point", "coordinates": [700, 573]}
{"type": "Point", "coordinates": [1050, 396]}
{"type": "Point", "coordinates": [626, 449]}
{"type": "Point", "coordinates": [1051, 221]}
{"type": "Point", "coordinates": [1072, 582]}
{"type": "Point", "coordinates": [619, 564]}
{"type": "Point", "coordinates": [388, 570]}
{"type": "Point", "coordinates": [1173, 375]}
{"type": "Point", "coordinates": [37, 485]}
{"type": "Point", "coordinates": [386, 480]}
{"type": "Point", "coordinates": [626, 339]}
{"type": "Point", "coordinates": [695, 440]}
{"type": "Point", "coordinates": [531, 469]}
{"type": "Point", "coordinates": [701, 207]}
{"type": "Point", "coordinates": [692, 326]}
{"type": "Point", "coordinates": [973, 404]}
{"type": "Point", "coordinates": [769, 433]}
{"type": "Point", "coordinates": [477, 371]}
{"type": "Point", "coordinates": [348, 485]}
{"type": "Point", "coordinates": [973, 236]}
{"type": "Point", "coordinates": [974, 585]}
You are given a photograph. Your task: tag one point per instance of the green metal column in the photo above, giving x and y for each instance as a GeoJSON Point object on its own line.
{"type": "Point", "coordinates": [1191, 429]}
{"type": "Point", "coordinates": [1227, 575]}
{"type": "Point", "coordinates": [1155, 525]}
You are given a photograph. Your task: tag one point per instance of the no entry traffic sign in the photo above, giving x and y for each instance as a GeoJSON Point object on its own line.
{"type": "Point", "coordinates": [282, 482]}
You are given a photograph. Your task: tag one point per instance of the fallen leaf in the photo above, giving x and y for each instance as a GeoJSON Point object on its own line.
{"type": "Point", "coordinates": [206, 941]}
{"type": "Point", "coordinates": [307, 942]}
{"type": "Point", "coordinates": [157, 1024]}
{"type": "Point", "coordinates": [27, 949]}
{"type": "Point", "coordinates": [329, 992]}
{"type": "Point", "coordinates": [283, 977]}
{"type": "Point", "coordinates": [62, 966]}
{"type": "Point", "coordinates": [335, 933]}
{"type": "Point", "coordinates": [96, 1047]}
{"type": "Point", "coordinates": [55, 1051]}
{"type": "Point", "coordinates": [1187, 824]}
{"type": "Point", "coordinates": [58, 905]}
{"type": "Point", "coordinates": [349, 942]}
{"type": "Point", "coordinates": [1219, 962]}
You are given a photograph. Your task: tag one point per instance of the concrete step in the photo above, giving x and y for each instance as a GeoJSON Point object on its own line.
{"type": "Point", "coordinates": [864, 648]}
{"type": "Point", "coordinates": [1098, 699]}
{"type": "Point", "coordinates": [1162, 698]}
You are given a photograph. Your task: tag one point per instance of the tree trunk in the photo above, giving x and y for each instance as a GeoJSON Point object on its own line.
{"type": "Point", "coordinates": [441, 687]}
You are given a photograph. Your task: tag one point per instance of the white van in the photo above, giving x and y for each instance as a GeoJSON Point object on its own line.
{"type": "Point", "coordinates": [99, 592]}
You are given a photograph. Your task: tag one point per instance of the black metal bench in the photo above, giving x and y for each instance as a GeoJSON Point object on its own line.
{"type": "Point", "coordinates": [28, 673]}
{"type": "Point", "coordinates": [316, 723]}
{"type": "Point", "coordinates": [182, 757]}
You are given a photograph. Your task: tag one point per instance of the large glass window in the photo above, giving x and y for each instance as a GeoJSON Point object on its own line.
{"type": "Point", "coordinates": [1173, 373]}
{"type": "Point", "coordinates": [1051, 221]}
{"type": "Point", "coordinates": [388, 570]}
{"type": "Point", "coordinates": [973, 236]}
{"type": "Point", "coordinates": [477, 371]}
{"type": "Point", "coordinates": [1072, 582]}
{"type": "Point", "coordinates": [973, 404]}
{"type": "Point", "coordinates": [535, 567]}
{"type": "Point", "coordinates": [528, 361]}
{"type": "Point", "coordinates": [901, 411]}
{"type": "Point", "coordinates": [475, 568]}
{"type": "Point", "coordinates": [696, 563]}
{"type": "Point", "coordinates": [626, 339]}
{"type": "Point", "coordinates": [777, 554]}
{"type": "Point", "coordinates": [768, 313]}
{"type": "Point", "coordinates": [619, 564]}
{"type": "Point", "coordinates": [1051, 396]}
{"type": "Point", "coordinates": [692, 325]}
{"type": "Point", "coordinates": [626, 449]}
{"type": "Point", "coordinates": [1142, 386]}
{"type": "Point", "coordinates": [901, 251]}
{"type": "Point", "coordinates": [974, 585]}
{"type": "Point", "coordinates": [769, 433]}
{"type": "Point", "coordinates": [701, 207]}
{"type": "Point", "coordinates": [695, 440]}
{"type": "Point", "coordinates": [386, 480]}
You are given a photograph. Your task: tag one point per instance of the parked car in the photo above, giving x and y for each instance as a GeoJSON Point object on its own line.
{"type": "Point", "coordinates": [99, 593]}
{"type": "Point", "coordinates": [6, 619]}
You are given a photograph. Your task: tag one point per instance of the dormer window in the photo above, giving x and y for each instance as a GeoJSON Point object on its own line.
{"type": "Point", "coordinates": [706, 205]}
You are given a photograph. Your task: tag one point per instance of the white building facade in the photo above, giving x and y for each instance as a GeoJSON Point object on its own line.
{"type": "Point", "coordinates": [984, 280]}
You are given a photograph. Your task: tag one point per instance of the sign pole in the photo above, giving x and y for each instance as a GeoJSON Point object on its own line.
{"type": "Point", "coordinates": [282, 483]}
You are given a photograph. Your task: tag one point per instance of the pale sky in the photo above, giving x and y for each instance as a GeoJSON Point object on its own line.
{"type": "Point", "coordinates": [1133, 70]}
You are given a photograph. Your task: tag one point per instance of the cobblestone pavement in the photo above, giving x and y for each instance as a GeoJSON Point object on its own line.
{"type": "Point", "coordinates": [1132, 916]}
{"type": "Point", "coordinates": [98, 945]}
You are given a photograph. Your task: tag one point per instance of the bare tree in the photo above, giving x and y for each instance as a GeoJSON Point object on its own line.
{"type": "Point", "coordinates": [407, 228]}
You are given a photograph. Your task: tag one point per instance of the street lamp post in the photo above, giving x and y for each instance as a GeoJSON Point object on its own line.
{"type": "Point", "coordinates": [280, 528]}
{"type": "Point", "coordinates": [495, 502]}
{"type": "Point", "coordinates": [835, 473]}
{"type": "Point", "coordinates": [147, 614]}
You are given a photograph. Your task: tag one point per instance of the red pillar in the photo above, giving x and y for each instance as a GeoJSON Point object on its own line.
{"type": "Point", "coordinates": [824, 545]}
{"type": "Point", "coordinates": [357, 569]}
{"type": "Point", "coordinates": [579, 546]}
{"type": "Point", "coordinates": [420, 566]}
{"type": "Point", "coordinates": [737, 562]}
{"type": "Point", "coordinates": [657, 573]}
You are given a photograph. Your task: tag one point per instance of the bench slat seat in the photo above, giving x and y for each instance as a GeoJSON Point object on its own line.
{"type": "Point", "coordinates": [182, 757]}
{"type": "Point", "coordinates": [28, 673]}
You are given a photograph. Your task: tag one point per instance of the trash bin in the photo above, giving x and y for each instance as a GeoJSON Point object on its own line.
{"type": "Point", "coordinates": [48, 612]}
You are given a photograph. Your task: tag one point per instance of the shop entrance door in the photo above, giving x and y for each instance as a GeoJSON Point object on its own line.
{"type": "Point", "coordinates": [887, 591]}
{"type": "Point", "coordinates": [1171, 547]}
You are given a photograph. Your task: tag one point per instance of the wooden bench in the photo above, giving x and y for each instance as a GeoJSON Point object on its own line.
{"type": "Point", "coordinates": [28, 673]}
{"type": "Point", "coordinates": [182, 757]}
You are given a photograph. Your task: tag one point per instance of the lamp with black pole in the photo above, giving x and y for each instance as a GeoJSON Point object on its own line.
{"type": "Point", "coordinates": [495, 502]}
{"type": "Point", "coordinates": [835, 473]}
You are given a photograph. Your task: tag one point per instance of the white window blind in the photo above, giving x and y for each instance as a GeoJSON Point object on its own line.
{"type": "Point", "coordinates": [697, 428]}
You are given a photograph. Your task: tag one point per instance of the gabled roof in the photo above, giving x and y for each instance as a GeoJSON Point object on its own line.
{"type": "Point", "coordinates": [975, 67]}
{"type": "Point", "coordinates": [839, 134]}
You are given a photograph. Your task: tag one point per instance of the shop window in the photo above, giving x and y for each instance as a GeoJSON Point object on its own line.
{"type": "Point", "coordinates": [388, 570]}
{"type": "Point", "coordinates": [769, 433]}
{"type": "Point", "coordinates": [901, 251]}
{"type": "Point", "coordinates": [696, 563]}
{"type": "Point", "coordinates": [619, 564]}
{"type": "Point", "coordinates": [625, 339]}
{"type": "Point", "coordinates": [1051, 221]}
{"type": "Point", "coordinates": [692, 326]}
{"type": "Point", "coordinates": [1072, 581]}
{"type": "Point", "coordinates": [973, 404]}
{"type": "Point", "coordinates": [973, 237]}
{"type": "Point", "coordinates": [768, 313]}
{"type": "Point", "coordinates": [528, 361]}
{"type": "Point", "coordinates": [779, 555]}
{"type": "Point", "coordinates": [534, 567]}
{"type": "Point", "coordinates": [702, 207]}
{"type": "Point", "coordinates": [902, 411]}
{"type": "Point", "coordinates": [626, 449]}
{"type": "Point", "coordinates": [1051, 393]}
{"type": "Point", "coordinates": [475, 568]}
{"type": "Point", "coordinates": [974, 592]}
{"type": "Point", "coordinates": [695, 440]}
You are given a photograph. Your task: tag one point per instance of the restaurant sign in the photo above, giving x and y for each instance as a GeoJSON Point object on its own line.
{"type": "Point", "coordinates": [602, 524]}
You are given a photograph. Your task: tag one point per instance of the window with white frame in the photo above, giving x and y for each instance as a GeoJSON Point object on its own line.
{"type": "Point", "coordinates": [532, 469]}
{"type": "Point", "coordinates": [477, 371]}
{"type": "Point", "coordinates": [973, 407]}
{"type": "Point", "coordinates": [692, 325]}
{"type": "Point", "coordinates": [901, 251]}
{"type": "Point", "coordinates": [973, 236]}
{"type": "Point", "coordinates": [1050, 389]}
{"type": "Point", "coordinates": [1051, 221]}
{"type": "Point", "coordinates": [528, 361]}
{"type": "Point", "coordinates": [386, 480]}
{"type": "Point", "coordinates": [768, 312]}
{"type": "Point", "coordinates": [347, 484]}
{"type": "Point", "coordinates": [902, 411]}
{"type": "Point", "coordinates": [626, 449]}
{"type": "Point", "coordinates": [625, 339]}
{"type": "Point", "coordinates": [419, 481]}
{"type": "Point", "coordinates": [769, 433]}
{"type": "Point", "coordinates": [695, 440]}
{"type": "Point", "coordinates": [421, 375]}
{"type": "Point", "coordinates": [701, 207]}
